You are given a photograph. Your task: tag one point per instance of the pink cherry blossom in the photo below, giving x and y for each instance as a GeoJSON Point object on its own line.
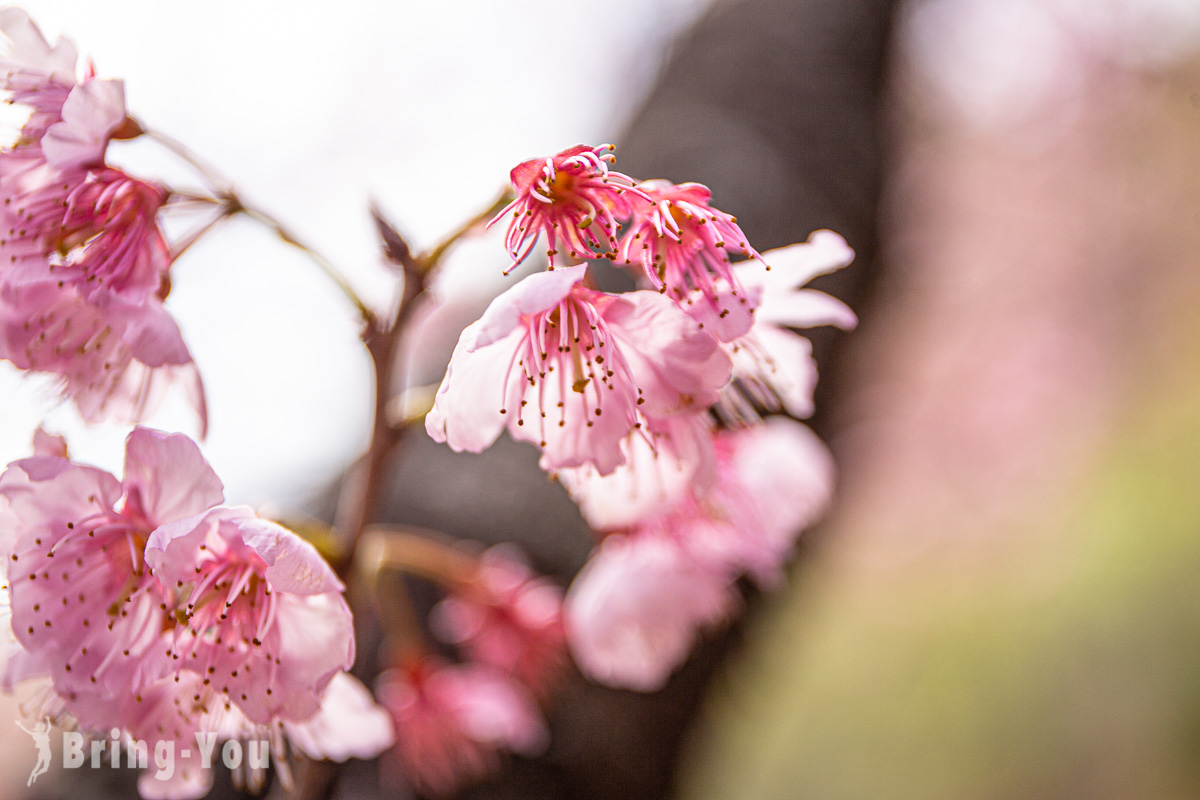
{"type": "Point", "coordinates": [682, 245]}
{"type": "Point", "coordinates": [506, 616]}
{"type": "Point", "coordinates": [83, 604]}
{"type": "Point", "coordinates": [96, 230]}
{"type": "Point", "coordinates": [65, 217]}
{"type": "Point", "coordinates": [34, 72]}
{"type": "Point", "coordinates": [571, 369]}
{"type": "Point", "coordinates": [573, 198]}
{"type": "Point", "coordinates": [773, 480]}
{"type": "Point", "coordinates": [772, 366]}
{"type": "Point", "coordinates": [635, 611]}
{"type": "Point", "coordinates": [73, 114]}
{"type": "Point", "coordinates": [452, 721]}
{"type": "Point", "coordinates": [263, 615]}
{"type": "Point", "coordinates": [113, 361]}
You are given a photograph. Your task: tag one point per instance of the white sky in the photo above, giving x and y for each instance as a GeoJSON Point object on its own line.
{"type": "Point", "coordinates": [312, 108]}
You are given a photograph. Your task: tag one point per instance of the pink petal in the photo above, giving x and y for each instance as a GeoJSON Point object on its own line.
{"type": "Point", "coordinates": [349, 724]}
{"type": "Point", "coordinates": [92, 112]}
{"type": "Point", "coordinates": [293, 565]}
{"type": "Point", "coordinates": [789, 473]}
{"type": "Point", "coordinates": [678, 366]}
{"type": "Point", "coordinates": [49, 444]}
{"type": "Point", "coordinates": [28, 49]}
{"type": "Point", "coordinates": [773, 360]}
{"type": "Point", "coordinates": [636, 609]}
{"type": "Point", "coordinates": [806, 308]}
{"type": "Point", "coordinates": [797, 264]}
{"type": "Point", "coordinates": [467, 409]}
{"type": "Point", "coordinates": [539, 292]}
{"type": "Point", "coordinates": [168, 476]}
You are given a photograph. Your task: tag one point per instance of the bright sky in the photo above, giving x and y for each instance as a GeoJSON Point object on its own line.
{"type": "Point", "coordinates": [312, 108]}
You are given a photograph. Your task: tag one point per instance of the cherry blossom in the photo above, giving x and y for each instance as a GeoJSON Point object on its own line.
{"type": "Point", "coordinates": [83, 604]}
{"type": "Point", "coordinates": [570, 369]}
{"type": "Point", "coordinates": [664, 460]}
{"type": "Point", "coordinates": [573, 198]}
{"type": "Point", "coordinates": [263, 619]}
{"type": "Point", "coordinates": [682, 245]}
{"type": "Point", "coordinates": [506, 616]}
{"type": "Point", "coordinates": [96, 230]}
{"type": "Point", "coordinates": [114, 361]}
{"type": "Point", "coordinates": [636, 609]}
{"type": "Point", "coordinates": [34, 72]}
{"type": "Point", "coordinates": [453, 720]}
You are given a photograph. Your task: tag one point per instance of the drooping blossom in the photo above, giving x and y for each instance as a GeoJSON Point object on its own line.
{"type": "Point", "coordinates": [96, 230]}
{"type": "Point", "coordinates": [262, 618]}
{"type": "Point", "coordinates": [64, 216]}
{"type": "Point", "coordinates": [683, 245]}
{"type": "Point", "coordinates": [84, 606]}
{"type": "Point", "coordinates": [83, 262]}
{"type": "Point", "coordinates": [508, 617]}
{"type": "Point", "coordinates": [573, 198]}
{"type": "Point", "coordinates": [33, 72]}
{"type": "Point", "coordinates": [570, 369]}
{"type": "Point", "coordinates": [635, 610]}
{"type": "Point", "coordinates": [773, 367]}
{"type": "Point", "coordinates": [452, 721]}
{"type": "Point", "coordinates": [773, 480]}
{"type": "Point", "coordinates": [114, 361]}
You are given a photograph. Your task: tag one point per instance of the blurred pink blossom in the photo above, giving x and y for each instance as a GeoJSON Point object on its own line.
{"type": "Point", "coordinates": [507, 616]}
{"type": "Point", "coordinates": [452, 721]}
{"type": "Point", "coordinates": [635, 610]}
{"type": "Point", "coordinates": [34, 72]}
{"type": "Point", "coordinates": [113, 361]}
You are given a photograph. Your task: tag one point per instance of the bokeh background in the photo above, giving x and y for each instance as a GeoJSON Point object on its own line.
{"type": "Point", "coordinates": [1005, 601]}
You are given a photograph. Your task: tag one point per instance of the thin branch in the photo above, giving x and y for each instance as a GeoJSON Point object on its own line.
{"type": "Point", "coordinates": [201, 231]}
{"type": "Point", "coordinates": [216, 181]}
{"type": "Point", "coordinates": [286, 235]}
{"type": "Point", "coordinates": [431, 258]}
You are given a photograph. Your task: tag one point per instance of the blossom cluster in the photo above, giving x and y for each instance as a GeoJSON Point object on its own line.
{"type": "Point", "coordinates": [669, 413]}
{"type": "Point", "coordinates": [147, 603]}
{"type": "Point", "coordinates": [84, 264]}
{"type": "Point", "coordinates": [654, 407]}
